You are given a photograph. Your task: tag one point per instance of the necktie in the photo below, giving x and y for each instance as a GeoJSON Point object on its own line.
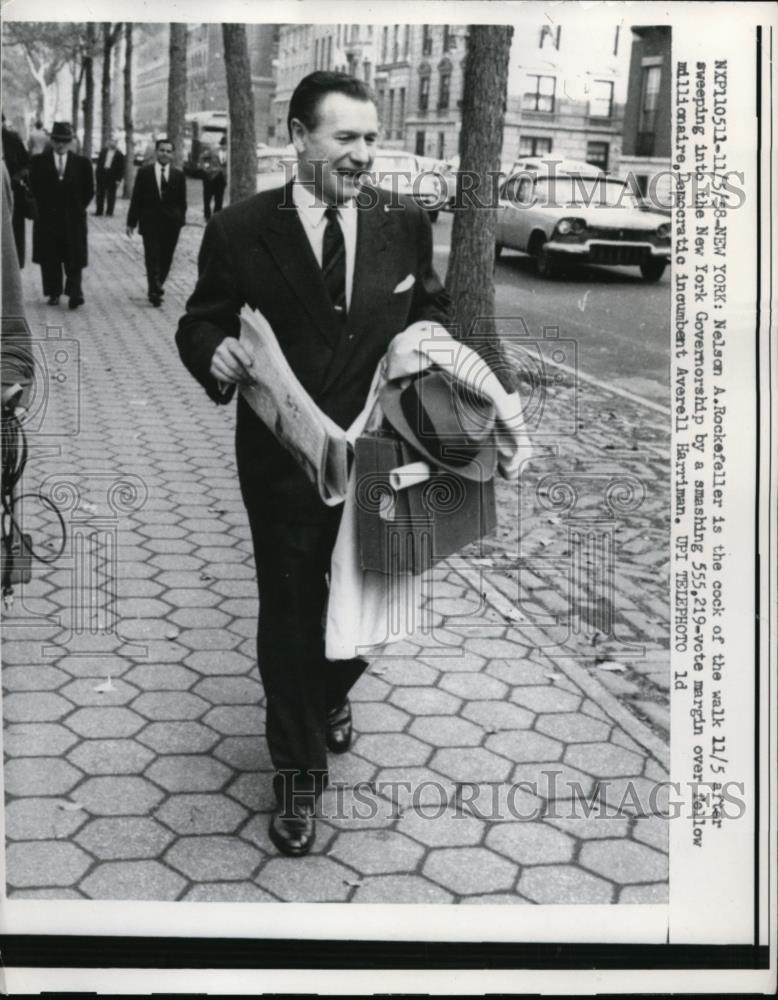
{"type": "Point", "coordinates": [333, 263]}
{"type": "Point", "coordinates": [163, 183]}
{"type": "Point", "coordinates": [61, 159]}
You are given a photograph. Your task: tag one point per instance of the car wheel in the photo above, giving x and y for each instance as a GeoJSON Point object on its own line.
{"type": "Point", "coordinates": [547, 264]}
{"type": "Point", "coordinates": [433, 214]}
{"type": "Point", "coordinates": [652, 270]}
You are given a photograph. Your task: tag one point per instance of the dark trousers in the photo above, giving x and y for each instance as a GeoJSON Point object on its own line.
{"type": "Point", "coordinates": [52, 269]}
{"type": "Point", "coordinates": [213, 191]}
{"type": "Point", "coordinates": [19, 225]}
{"type": "Point", "coordinates": [301, 685]}
{"type": "Point", "coordinates": [106, 196]}
{"type": "Point", "coordinates": [158, 248]}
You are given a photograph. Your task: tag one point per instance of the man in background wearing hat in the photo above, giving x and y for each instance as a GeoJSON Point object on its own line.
{"type": "Point", "coordinates": [63, 186]}
{"type": "Point", "coordinates": [336, 276]}
{"type": "Point", "coordinates": [109, 171]}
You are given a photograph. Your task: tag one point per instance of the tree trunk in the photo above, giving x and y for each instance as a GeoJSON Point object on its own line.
{"type": "Point", "coordinates": [176, 92]}
{"type": "Point", "coordinates": [242, 157]}
{"type": "Point", "coordinates": [129, 138]}
{"type": "Point", "coordinates": [106, 111]}
{"type": "Point", "coordinates": [89, 87]}
{"type": "Point", "coordinates": [470, 276]}
{"type": "Point", "coordinates": [75, 97]}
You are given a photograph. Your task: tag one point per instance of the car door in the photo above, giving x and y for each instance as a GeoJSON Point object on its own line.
{"type": "Point", "coordinates": [512, 228]}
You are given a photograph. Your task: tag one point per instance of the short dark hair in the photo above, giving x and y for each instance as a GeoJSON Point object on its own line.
{"type": "Point", "coordinates": [312, 90]}
{"type": "Point", "coordinates": [159, 142]}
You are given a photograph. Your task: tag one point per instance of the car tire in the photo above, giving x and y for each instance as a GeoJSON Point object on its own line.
{"type": "Point", "coordinates": [652, 270]}
{"type": "Point", "coordinates": [547, 264]}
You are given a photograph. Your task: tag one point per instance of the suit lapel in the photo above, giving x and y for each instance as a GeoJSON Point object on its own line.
{"type": "Point", "coordinates": [285, 240]}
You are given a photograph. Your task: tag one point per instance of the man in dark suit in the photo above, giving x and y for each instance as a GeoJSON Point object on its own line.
{"type": "Point", "coordinates": [17, 161]}
{"type": "Point", "coordinates": [63, 185]}
{"type": "Point", "coordinates": [158, 209]}
{"type": "Point", "coordinates": [110, 170]}
{"type": "Point", "coordinates": [337, 277]}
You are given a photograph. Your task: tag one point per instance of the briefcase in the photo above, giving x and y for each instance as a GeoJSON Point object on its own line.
{"type": "Point", "coordinates": [410, 515]}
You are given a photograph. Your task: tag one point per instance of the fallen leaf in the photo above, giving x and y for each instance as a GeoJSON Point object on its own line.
{"type": "Point", "coordinates": [610, 665]}
{"type": "Point", "coordinates": [70, 806]}
{"type": "Point", "coordinates": [172, 634]}
{"type": "Point", "coordinates": [105, 686]}
{"type": "Point", "coordinates": [207, 577]}
{"type": "Point", "coordinates": [353, 881]}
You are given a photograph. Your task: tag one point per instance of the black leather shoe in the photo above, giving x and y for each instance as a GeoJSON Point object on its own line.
{"type": "Point", "coordinates": [339, 728]}
{"type": "Point", "coordinates": [293, 832]}
{"type": "Point", "coordinates": [75, 302]}
{"type": "Point", "coordinates": [53, 300]}
{"type": "Point", "coordinates": [155, 300]}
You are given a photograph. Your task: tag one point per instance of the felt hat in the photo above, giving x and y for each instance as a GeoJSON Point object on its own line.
{"type": "Point", "coordinates": [450, 426]}
{"type": "Point", "coordinates": [61, 132]}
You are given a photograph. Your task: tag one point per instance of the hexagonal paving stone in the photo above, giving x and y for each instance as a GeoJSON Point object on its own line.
{"type": "Point", "coordinates": [413, 786]}
{"type": "Point", "coordinates": [395, 749]}
{"type": "Point", "coordinates": [192, 597]}
{"type": "Point", "coordinates": [244, 753]}
{"type": "Point", "coordinates": [39, 776]}
{"type": "Point", "coordinates": [446, 731]}
{"type": "Point", "coordinates": [118, 796]}
{"type": "Point", "coordinates": [201, 814]}
{"type": "Point", "coordinates": [492, 649]}
{"type": "Point", "coordinates": [554, 781]}
{"type": "Point", "coordinates": [110, 722]}
{"type": "Point", "coordinates": [125, 837]}
{"type": "Point", "coordinates": [473, 686]}
{"type": "Point", "coordinates": [467, 870]}
{"type": "Point", "coordinates": [178, 737]}
{"type": "Point", "coordinates": [220, 661]}
{"type": "Point", "coordinates": [370, 688]}
{"type": "Point", "coordinates": [141, 607]}
{"type": "Point", "coordinates": [45, 894]}
{"type": "Point", "coordinates": [524, 746]}
{"type": "Point", "coordinates": [161, 677]}
{"type": "Point", "coordinates": [518, 672]}
{"type": "Point", "coordinates": [604, 760]}
{"type": "Point", "coordinates": [601, 825]}
{"type": "Point", "coordinates": [572, 727]}
{"type": "Point", "coordinates": [376, 852]}
{"type": "Point", "coordinates": [473, 764]}
{"type": "Point", "coordinates": [545, 699]}
{"type": "Point", "coordinates": [307, 880]}
{"type": "Point", "coordinates": [356, 808]}
{"type": "Point", "coordinates": [624, 861]}
{"type": "Point", "coordinates": [236, 720]}
{"type": "Point", "coordinates": [200, 618]}
{"type": "Point", "coordinates": [425, 701]}
{"type": "Point", "coordinates": [99, 691]}
{"type": "Point", "coordinates": [133, 880]}
{"type": "Point", "coordinates": [206, 859]}
{"type": "Point", "coordinates": [402, 670]}
{"type": "Point", "coordinates": [208, 639]}
{"type": "Point", "coordinates": [44, 863]}
{"type": "Point", "coordinates": [400, 889]}
{"type": "Point", "coordinates": [111, 757]}
{"type": "Point", "coordinates": [496, 899]}
{"type": "Point", "coordinates": [189, 773]}
{"type": "Point", "coordinates": [441, 826]}
{"type": "Point", "coordinates": [351, 769]}
{"type": "Point", "coordinates": [174, 706]}
{"type": "Point", "coordinates": [499, 802]}
{"type": "Point", "coordinates": [465, 662]}
{"type": "Point", "coordinates": [146, 629]}
{"type": "Point", "coordinates": [530, 843]}
{"type": "Point", "coordinates": [378, 717]}
{"type": "Point", "coordinates": [563, 884]}
{"type": "Point", "coordinates": [36, 706]}
{"type": "Point", "coordinates": [637, 796]}
{"type": "Point", "coordinates": [657, 893]}
{"type": "Point", "coordinates": [653, 831]}
{"type": "Point", "coordinates": [41, 739]}
{"type": "Point", "coordinates": [255, 791]}
{"type": "Point", "coordinates": [230, 690]}
{"type": "Point", "coordinates": [228, 892]}
{"type": "Point", "coordinates": [32, 678]}
{"type": "Point", "coordinates": [41, 819]}
{"type": "Point", "coordinates": [498, 715]}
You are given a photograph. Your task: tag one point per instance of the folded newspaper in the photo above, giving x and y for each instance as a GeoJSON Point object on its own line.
{"type": "Point", "coordinates": [317, 443]}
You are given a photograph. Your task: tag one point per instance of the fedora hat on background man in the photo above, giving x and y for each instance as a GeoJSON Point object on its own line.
{"type": "Point", "coordinates": [452, 428]}
{"type": "Point", "coordinates": [61, 132]}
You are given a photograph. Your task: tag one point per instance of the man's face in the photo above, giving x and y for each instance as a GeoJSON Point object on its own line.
{"type": "Point", "coordinates": [332, 155]}
{"type": "Point", "coordinates": [112, 143]}
{"type": "Point", "coordinates": [60, 146]}
{"type": "Point", "coordinates": [164, 153]}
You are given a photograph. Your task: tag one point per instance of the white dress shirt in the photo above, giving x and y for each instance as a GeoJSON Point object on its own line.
{"type": "Point", "coordinates": [158, 174]}
{"type": "Point", "coordinates": [62, 163]}
{"type": "Point", "coordinates": [108, 158]}
{"type": "Point", "coordinates": [311, 212]}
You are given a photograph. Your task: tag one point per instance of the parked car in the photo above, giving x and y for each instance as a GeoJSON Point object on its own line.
{"type": "Point", "coordinates": [395, 170]}
{"type": "Point", "coordinates": [450, 178]}
{"type": "Point", "coordinates": [567, 212]}
{"type": "Point", "coordinates": [275, 166]}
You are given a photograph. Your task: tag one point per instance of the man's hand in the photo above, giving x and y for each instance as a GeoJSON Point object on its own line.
{"type": "Point", "coordinates": [231, 363]}
{"type": "Point", "coordinates": [130, 230]}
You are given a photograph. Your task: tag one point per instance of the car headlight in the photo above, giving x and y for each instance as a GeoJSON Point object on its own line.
{"type": "Point", "coordinates": [575, 226]}
{"type": "Point", "coordinates": [663, 231]}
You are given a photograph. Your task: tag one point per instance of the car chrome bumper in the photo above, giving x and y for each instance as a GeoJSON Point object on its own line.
{"type": "Point", "coordinates": [607, 252]}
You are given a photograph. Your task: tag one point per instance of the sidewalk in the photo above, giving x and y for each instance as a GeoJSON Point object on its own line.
{"type": "Point", "coordinates": [136, 766]}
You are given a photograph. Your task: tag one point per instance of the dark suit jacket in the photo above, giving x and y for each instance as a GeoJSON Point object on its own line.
{"type": "Point", "coordinates": [115, 172]}
{"type": "Point", "coordinates": [61, 206]}
{"type": "Point", "coordinates": [257, 253]}
{"type": "Point", "coordinates": [148, 210]}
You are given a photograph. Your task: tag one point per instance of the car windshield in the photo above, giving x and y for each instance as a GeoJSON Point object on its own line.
{"type": "Point", "coordinates": [565, 192]}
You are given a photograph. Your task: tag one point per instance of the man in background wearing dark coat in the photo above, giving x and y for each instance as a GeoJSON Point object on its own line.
{"type": "Point", "coordinates": [158, 209]}
{"type": "Point", "coordinates": [110, 170]}
{"type": "Point", "coordinates": [63, 186]}
{"type": "Point", "coordinates": [17, 161]}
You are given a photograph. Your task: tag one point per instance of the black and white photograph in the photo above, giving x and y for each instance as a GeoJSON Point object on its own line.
{"type": "Point", "coordinates": [370, 417]}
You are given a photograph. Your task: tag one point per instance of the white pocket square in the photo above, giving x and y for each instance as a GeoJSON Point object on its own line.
{"type": "Point", "coordinates": [405, 284]}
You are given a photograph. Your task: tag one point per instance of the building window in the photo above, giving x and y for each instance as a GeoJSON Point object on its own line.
{"type": "Point", "coordinates": [597, 154]}
{"type": "Point", "coordinates": [601, 100]}
{"type": "Point", "coordinates": [424, 93]}
{"type": "Point", "coordinates": [381, 103]}
{"type": "Point", "coordinates": [345, 39]}
{"type": "Point", "coordinates": [541, 96]}
{"type": "Point", "coordinates": [444, 92]}
{"type": "Point", "coordinates": [406, 40]}
{"type": "Point", "coordinates": [441, 145]}
{"type": "Point", "coordinates": [426, 41]}
{"type": "Point", "coordinates": [366, 67]}
{"type": "Point", "coordinates": [534, 145]}
{"type": "Point", "coordinates": [420, 144]}
{"type": "Point", "coordinates": [550, 36]}
{"type": "Point", "coordinates": [449, 38]}
{"type": "Point", "coordinates": [401, 113]}
{"type": "Point", "coordinates": [649, 98]}
{"type": "Point", "coordinates": [384, 44]}
{"type": "Point", "coordinates": [390, 119]}
{"type": "Point", "coordinates": [396, 44]}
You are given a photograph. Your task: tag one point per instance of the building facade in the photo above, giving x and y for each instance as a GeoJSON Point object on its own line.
{"type": "Point", "coordinates": [648, 116]}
